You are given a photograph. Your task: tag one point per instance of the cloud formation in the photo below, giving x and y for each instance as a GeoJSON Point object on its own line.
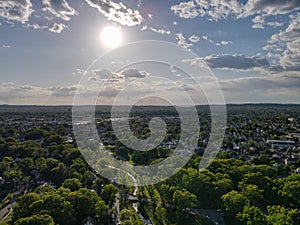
{"type": "Point", "coordinates": [16, 10]}
{"type": "Point", "coordinates": [267, 7]}
{"type": "Point", "coordinates": [214, 10]}
{"type": "Point", "coordinates": [194, 38]}
{"type": "Point", "coordinates": [231, 62]}
{"type": "Point", "coordinates": [222, 9]}
{"type": "Point", "coordinates": [59, 8]}
{"type": "Point", "coordinates": [57, 27]}
{"type": "Point", "coordinates": [239, 62]}
{"type": "Point", "coordinates": [157, 30]}
{"type": "Point", "coordinates": [133, 73]}
{"type": "Point", "coordinates": [5, 46]}
{"type": "Point", "coordinates": [286, 44]}
{"type": "Point", "coordinates": [62, 91]}
{"type": "Point", "coordinates": [22, 11]}
{"type": "Point", "coordinates": [117, 12]}
{"type": "Point", "coordinates": [37, 16]}
{"type": "Point", "coordinates": [182, 41]}
{"type": "Point", "coordinates": [12, 93]}
{"type": "Point", "coordinates": [110, 76]}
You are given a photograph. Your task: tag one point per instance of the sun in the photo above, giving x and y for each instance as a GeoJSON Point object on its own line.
{"type": "Point", "coordinates": [111, 37]}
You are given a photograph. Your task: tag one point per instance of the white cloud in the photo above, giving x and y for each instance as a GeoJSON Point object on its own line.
{"type": "Point", "coordinates": [206, 38]}
{"type": "Point", "coordinates": [185, 9]}
{"type": "Point", "coordinates": [275, 24]}
{"type": "Point", "coordinates": [287, 42]}
{"type": "Point", "coordinates": [258, 26]}
{"type": "Point", "coordinates": [12, 93]}
{"type": "Point", "coordinates": [57, 27]}
{"type": "Point", "coordinates": [232, 62]}
{"type": "Point", "coordinates": [258, 19]}
{"type": "Point", "coordinates": [16, 10]}
{"type": "Point", "coordinates": [194, 38]}
{"type": "Point", "coordinates": [182, 41]}
{"type": "Point", "coordinates": [59, 8]}
{"type": "Point", "coordinates": [222, 43]}
{"type": "Point", "coordinates": [104, 75]}
{"type": "Point", "coordinates": [270, 7]}
{"type": "Point", "coordinates": [113, 77]}
{"type": "Point", "coordinates": [214, 10]}
{"type": "Point", "coordinates": [36, 26]}
{"type": "Point", "coordinates": [272, 47]}
{"type": "Point", "coordinates": [5, 46]}
{"type": "Point", "coordinates": [157, 30]}
{"type": "Point", "coordinates": [63, 91]}
{"type": "Point", "coordinates": [117, 12]}
{"type": "Point", "coordinates": [133, 73]}
{"type": "Point", "coordinates": [258, 22]}
{"type": "Point", "coordinates": [222, 9]}
{"type": "Point", "coordinates": [226, 42]}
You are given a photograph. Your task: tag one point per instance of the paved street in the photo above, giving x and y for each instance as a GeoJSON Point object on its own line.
{"type": "Point", "coordinates": [6, 210]}
{"type": "Point", "coordinates": [211, 214]}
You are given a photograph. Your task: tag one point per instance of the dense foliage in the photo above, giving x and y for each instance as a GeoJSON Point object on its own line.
{"type": "Point", "coordinates": [46, 181]}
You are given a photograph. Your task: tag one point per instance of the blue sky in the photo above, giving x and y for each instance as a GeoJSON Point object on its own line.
{"type": "Point", "coordinates": [251, 46]}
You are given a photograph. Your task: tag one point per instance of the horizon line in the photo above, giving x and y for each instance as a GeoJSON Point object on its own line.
{"type": "Point", "coordinates": [50, 105]}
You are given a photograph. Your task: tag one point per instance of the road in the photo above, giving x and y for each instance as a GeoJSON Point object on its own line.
{"type": "Point", "coordinates": [212, 214]}
{"type": "Point", "coordinates": [4, 212]}
{"type": "Point", "coordinates": [134, 205]}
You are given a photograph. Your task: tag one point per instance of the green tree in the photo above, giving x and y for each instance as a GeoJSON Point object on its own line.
{"type": "Point", "coordinates": [161, 213]}
{"type": "Point", "coordinates": [72, 183]}
{"type": "Point", "coordinates": [252, 192]}
{"type": "Point", "coordinates": [184, 199]}
{"type": "Point", "coordinates": [291, 193]}
{"type": "Point", "coordinates": [60, 209]}
{"type": "Point", "coordinates": [252, 216]}
{"type": "Point", "coordinates": [279, 215]}
{"type": "Point", "coordinates": [23, 205]}
{"type": "Point", "coordinates": [235, 202]}
{"type": "Point", "coordinates": [108, 193]}
{"type": "Point", "coordinates": [26, 165]}
{"type": "Point", "coordinates": [39, 219]}
{"type": "Point", "coordinates": [34, 134]}
{"type": "Point", "coordinates": [83, 201]}
{"type": "Point", "coordinates": [125, 214]}
{"type": "Point", "coordinates": [101, 213]}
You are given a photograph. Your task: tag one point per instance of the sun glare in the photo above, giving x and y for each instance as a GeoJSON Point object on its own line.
{"type": "Point", "coordinates": [111, 37]}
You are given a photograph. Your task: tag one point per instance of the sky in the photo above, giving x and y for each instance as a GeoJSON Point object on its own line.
{"type": "Point", "coordinates": [250, 46]}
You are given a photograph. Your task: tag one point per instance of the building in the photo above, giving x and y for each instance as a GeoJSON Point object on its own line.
{"type": "Point", "coordinates": [281, 144]}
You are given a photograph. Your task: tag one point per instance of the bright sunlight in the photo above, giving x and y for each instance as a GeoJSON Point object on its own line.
{"type": "Point", "coordinates": [111, 37]}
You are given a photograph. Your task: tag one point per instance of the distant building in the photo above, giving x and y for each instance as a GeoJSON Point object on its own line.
{"type": "Point", "coordinates": [88, 221]}
{"type": "Point", "coordinates": [2, 181]}
{"type": "Point", "coordinates": [291, 119]}
{"type": "Point", "coordinates": [281, 144]}
{"type": "Point", "coordinates": [293, 135]}
{"type": "Point", "coordinates": [289, 161]}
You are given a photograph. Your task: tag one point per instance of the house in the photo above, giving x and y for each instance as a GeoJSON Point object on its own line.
{"type": "Point", "coordinates": [88, 221]}
{"type": "Point", "coordinates": [291, 136]}
{"type": "Point", "coordinates": [289, 161]}
{"type": "Point", "coordinates": [2, 181]}
{"type": "Point", "coordinates": [291, 119]}
{"type": "Point", "coordinates": [280, 144]}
